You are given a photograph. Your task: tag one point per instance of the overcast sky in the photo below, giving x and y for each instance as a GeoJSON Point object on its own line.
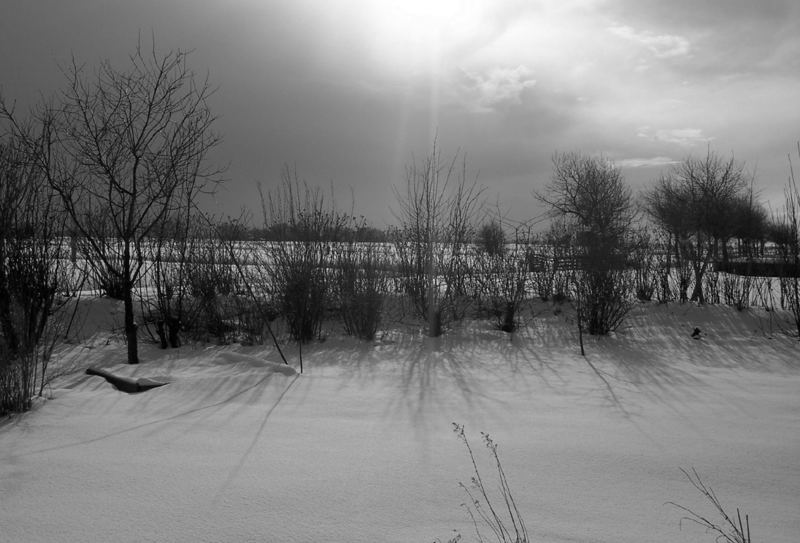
{"type": "Point", "coordinates": [350, 91]}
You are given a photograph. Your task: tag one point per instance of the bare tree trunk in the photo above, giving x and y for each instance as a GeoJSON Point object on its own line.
{"type": "Point", "coordinates": [579, 316]}
{"type": "Point", "coordinates": [130, 323]}
{"type": "Point", "coordinates": [173, 329]}
{"type": "Point", "coordinates": [666, 294]}
{"type": "Point", "coordinates": [683, 276]}
{"type": "Point", "coordinates": [130, 330]}
{"type": "Point", "coordinates": [7, 325]}
{"type": "Point", "coordinates": [434, 311]}
{"type": "Point", "coordinates": [697, 292]}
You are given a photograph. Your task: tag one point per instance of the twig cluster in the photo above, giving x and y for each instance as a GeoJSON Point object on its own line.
{"type": "Point", "coordinates": [504, 521]}
{"type": "Point", "coordinates": [731, 530]}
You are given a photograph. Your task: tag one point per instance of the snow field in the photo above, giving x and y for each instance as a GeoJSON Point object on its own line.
{"type": "Point", "coordinates": [359, 448]}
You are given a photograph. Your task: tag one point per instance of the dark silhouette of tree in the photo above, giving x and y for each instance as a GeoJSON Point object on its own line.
{"type": "Point", "coordinates": [492, 238]}
{"type": "Point", "coordinates": [32, 262]}
{"type": "Point", "coordinates": [590, 194]}
{"type": "Point", "coordinates": [125, 150]}
{"type": "Point", "coordinates": [702, 204]}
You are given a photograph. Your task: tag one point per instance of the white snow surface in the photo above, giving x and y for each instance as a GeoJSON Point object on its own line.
{"type": "Point", "coordinates": [360, 448]}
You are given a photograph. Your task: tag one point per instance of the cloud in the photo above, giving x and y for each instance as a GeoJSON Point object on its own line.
{"type": "Point", "coordinates": [660, 45]}
{"type": "Point", "coordinates": [646, 162]}
{"type": "Point", "coordinates": [350, 89]}
{"type": "Point", "coordinates": [685, 137]}
{"type": "Point", "coordinates": [497, 87]}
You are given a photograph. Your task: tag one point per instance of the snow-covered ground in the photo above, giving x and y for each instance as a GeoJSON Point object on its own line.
{"type": "Point", "coordinates": [238, 447]}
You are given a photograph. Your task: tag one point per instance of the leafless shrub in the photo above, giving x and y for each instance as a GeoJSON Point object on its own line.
{"type": "Point", "coordinates": [302, 279]}
{"type": "Point", "coordinates": [550, 262]}
{"type": "Point", "coordinates": [189, 285]}
{"type": "Point", "coordinates": [492, 238]}
{"type": "Point", "coordinates": [602, 294]}
{"type": "Point", "coordinates": [663, 267]}
{"type": "Point", "coordinates": [253, 318]}
{"type": "Point", "coordinates": [736, 290]}
{"type": "Point", "coordinates": [502, 281]}
{"type": "Point", "coordinates": [256, 301]}
{"type": "Point", "coordinates": [163, 292]}
{"type": "Point", "coordinates": [31, 273]}
{"type": "Point", "coordinates": [642, 257]}
{"type": "Point", "coordinates": [212, 285]}
{"type": "Point", "coordinates": [788, 244]}
{"type": "Point", "coordinates": [361, 283]}
{"type": "Point", "coordinates": [298, 266]}
{"type": "Point", "coordinates": [104, 277]}
{"type": "Point", "coordinates": [711, 287]}
{"type": "Point", "coordinates": [542, 271]}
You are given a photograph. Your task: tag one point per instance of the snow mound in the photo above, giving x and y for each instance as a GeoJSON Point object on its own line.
{"type": "Point", "coordinates": [131, 386]}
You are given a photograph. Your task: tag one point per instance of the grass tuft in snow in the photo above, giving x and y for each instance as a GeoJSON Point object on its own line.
{"type": "Point", "coordinates": [502, 519]}
{"type": "Point", "coordinates": [731, 529]}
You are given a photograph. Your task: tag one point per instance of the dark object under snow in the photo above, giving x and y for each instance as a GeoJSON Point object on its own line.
{"type": "Point", "coordinates": [126, 384]}
{"type": "Point", "coordinates": [696, 334]}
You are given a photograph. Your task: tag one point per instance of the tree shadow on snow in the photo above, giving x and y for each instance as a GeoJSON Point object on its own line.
{"type": "Point", "coordinates": [472, 370]}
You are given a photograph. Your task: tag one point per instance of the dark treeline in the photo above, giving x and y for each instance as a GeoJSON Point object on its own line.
{"type": "Point", "coordinates": [235, 231]}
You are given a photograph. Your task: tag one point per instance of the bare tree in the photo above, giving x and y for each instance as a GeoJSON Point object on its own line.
{"type": "Point", "coordinates": [125, 150]}
{"type": "Point", "coordinates": [361, 284]}
{"type": "Point", "coordinates": [436, 215]}
{"type": "Point", "coordinates": [590, 194]}
{"type": "Point", "coordinates": [701, 203]}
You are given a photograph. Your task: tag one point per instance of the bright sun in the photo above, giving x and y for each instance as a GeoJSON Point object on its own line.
{"type": "Point", "coordinates": [414, 34]}
{"type": "Point", "coordinates": [426, 13]}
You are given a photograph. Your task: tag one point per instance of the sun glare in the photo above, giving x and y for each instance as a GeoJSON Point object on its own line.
{"type": "Point", "coordinates": [414, 34]}
{"type": "Point", "coordinates": [426, 13]}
